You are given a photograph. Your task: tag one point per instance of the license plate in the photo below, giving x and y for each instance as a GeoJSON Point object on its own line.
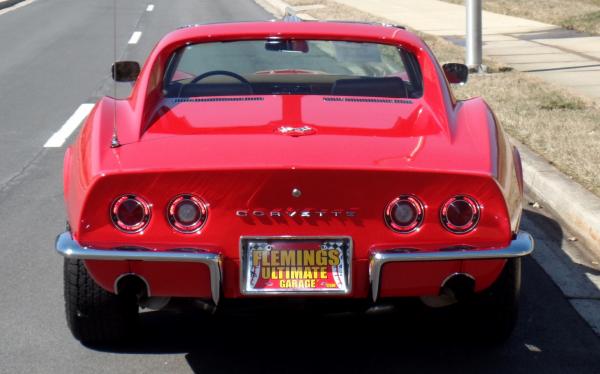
{"type": "Point", "coordinates": [295, 265]}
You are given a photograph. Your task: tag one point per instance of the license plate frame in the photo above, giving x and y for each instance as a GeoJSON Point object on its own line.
{"type": "Point", "coordinates": [343, 281]}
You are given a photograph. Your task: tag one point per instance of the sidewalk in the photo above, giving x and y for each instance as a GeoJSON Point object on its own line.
{"type": "Point", "coordinates": [554, 54]}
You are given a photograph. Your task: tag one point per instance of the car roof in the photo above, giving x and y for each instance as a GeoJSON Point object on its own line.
{"type": "Point", "coordinates": [322, 21]}
{"type": "Point", "coordinates": [340, 30]}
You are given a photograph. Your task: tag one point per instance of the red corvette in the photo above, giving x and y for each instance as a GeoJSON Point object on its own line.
{"type": "Point", "coordinates": [278, 160]}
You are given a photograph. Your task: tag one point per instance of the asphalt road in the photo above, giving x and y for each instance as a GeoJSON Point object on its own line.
{"type": "Point", "coordinates": [55, 55]}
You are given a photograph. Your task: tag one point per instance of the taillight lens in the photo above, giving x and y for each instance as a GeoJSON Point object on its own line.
{"type": "Point", "coordinates": [460, 214]}
{"type": "Point", "coordinates": [404, 214]}
{"type": "Point", "coordinates": [187, 213]}
{"type": "Point", "coordinates": [130, 213]}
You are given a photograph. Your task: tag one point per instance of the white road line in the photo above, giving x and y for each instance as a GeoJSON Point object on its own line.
{"type": "Point", "coordinates": [16, 6]}
{"type": "Point", "coordinates": [58, 138]}
{"type": "Point", "coordinates": [150, 8]}
{"type": "Point", "coordinates": [135, 37]}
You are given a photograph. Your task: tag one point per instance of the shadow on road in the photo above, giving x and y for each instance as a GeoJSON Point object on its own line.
{"type": "Point", "coordinates": [549, 236]}
{"type": "Point", "coordinates": [550, 337]}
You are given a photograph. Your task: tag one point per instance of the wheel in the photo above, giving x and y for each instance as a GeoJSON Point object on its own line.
{"type": "Point", "coordinates": [495, 311]}
{"type": "Point", "coordinates": [94, 315]}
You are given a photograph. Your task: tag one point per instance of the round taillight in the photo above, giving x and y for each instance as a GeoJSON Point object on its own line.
{"type": "Point", "coordinates": [187, 213]}
{"type": "Point", "coordinates": [404, 214]}
{"type": "Point", "coordinates": [460, 214]}
{"type": "Point", "coordinates": [130, 213]}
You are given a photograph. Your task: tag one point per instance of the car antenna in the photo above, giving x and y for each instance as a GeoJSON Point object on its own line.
{"type": "Point", "coordinates": [114, 143]}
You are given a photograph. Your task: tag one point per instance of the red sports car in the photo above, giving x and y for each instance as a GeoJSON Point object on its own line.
{"type": "Point", "coordinates": [290, 160]}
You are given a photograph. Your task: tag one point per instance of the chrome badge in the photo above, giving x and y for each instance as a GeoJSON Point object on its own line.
{"type": "Point", "coordinates": [296, 131]}
{"type": "Point", "coordinates": [297, 213]}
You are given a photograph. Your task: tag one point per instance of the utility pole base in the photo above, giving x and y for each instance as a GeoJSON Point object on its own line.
{"type": "Point", "coordinates": [481, 69]}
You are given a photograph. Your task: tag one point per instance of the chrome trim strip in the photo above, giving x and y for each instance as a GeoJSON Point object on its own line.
{"type": "Point", "coordinates": [522, 245]}
{"type": "Point", "coordinates": [69, 248]}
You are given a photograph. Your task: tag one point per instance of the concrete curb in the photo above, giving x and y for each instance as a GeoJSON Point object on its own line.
{"type": "Point", "coordinates": [8, 3]}
{"type": "Point", "coordinates": [578, 208]}
{"type": "Point", "coordinates": [275, 7]}
{"type": "Point", "coordinates": [278, 7]}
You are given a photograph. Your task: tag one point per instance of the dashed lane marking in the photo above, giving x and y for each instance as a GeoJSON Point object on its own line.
{"type": "Point", "coordinates": [58, 138]}
{"type": "Point", "coordinates": [135, 37]}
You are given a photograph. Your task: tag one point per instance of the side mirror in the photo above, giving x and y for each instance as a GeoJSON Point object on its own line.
{"type": "Point", "coordinates": [125, 71]}
{"type": "Point", "coordinates": [456, 73]}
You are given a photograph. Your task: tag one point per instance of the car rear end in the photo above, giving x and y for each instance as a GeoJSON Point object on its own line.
{"type": "Point", "coordinates": [324, 233]}
{"type": "Point", "coordinates": [338, 167]}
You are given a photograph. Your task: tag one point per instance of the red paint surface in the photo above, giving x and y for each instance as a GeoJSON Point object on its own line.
{"type": "Point", "coordinates": [184, 279]}
{"type": "Point", "coordinates": [361, 156]}
{"type": "Point", "coordinates": [415, 279]}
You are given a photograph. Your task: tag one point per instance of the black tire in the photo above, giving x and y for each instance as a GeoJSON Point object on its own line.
{"type": "Point", "coordinates": [94, 315]}
{"type": "Point", "coordinates": [495, 311]}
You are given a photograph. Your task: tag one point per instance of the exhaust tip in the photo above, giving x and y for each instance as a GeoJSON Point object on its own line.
{"type": "Point", "coordinates": [455, 288]}
{"type": "Point", "coordinates": [132, 284]}
{"type": "Point", "coordinates": [459, 285]}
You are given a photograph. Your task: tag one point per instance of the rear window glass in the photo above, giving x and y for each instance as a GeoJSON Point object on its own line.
{"type": "Point", "coordinates": [300, 67]}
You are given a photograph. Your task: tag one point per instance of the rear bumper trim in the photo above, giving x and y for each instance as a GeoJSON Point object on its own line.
{"type": "Point", "coordinates": [69, 248]}
{"type": "Point", "coordinates": [522, 245]}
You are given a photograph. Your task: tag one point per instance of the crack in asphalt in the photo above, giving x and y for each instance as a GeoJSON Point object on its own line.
{"type": "Point", "coordinates": [16, 179]}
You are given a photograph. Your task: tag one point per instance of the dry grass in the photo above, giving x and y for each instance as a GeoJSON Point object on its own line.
{"type": "Point", "coordinates": [561, 126]}
{"type": "Point", "coordinates": [580, 15]}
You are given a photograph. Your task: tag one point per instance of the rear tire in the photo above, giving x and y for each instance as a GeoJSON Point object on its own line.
{"type": "Point", "coordinates": [495, 311]}
{"type": "Point", "coordinates": [94, 315]}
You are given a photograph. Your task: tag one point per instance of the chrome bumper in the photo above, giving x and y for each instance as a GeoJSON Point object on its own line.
{"type": "Point", "coordinates": [522, 245]}
{"type": "Point", "coordinates": [69, 248]}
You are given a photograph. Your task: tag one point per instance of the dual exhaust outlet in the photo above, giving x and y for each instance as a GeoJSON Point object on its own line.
{"type": "Point", "coordinates": [456, 287]}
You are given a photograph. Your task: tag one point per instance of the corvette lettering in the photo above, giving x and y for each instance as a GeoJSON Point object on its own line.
{"type": "Point", "coordinates": [295, 213]}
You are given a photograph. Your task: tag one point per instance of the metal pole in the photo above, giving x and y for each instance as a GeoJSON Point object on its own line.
{"type": "Point", "coordinates": [474, 39]}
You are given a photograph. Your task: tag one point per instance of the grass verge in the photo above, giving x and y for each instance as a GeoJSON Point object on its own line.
{"type": "Point", "coordinates": [560, 126]}
{"type": "Point", "coordinates": [579, 15]}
